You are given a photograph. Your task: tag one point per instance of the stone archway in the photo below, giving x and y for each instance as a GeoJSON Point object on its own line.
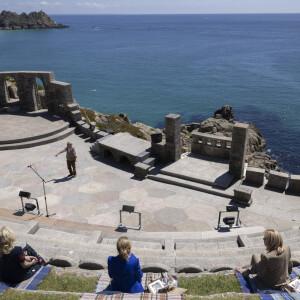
{"type": "Point", "coordinates": [39, 93]}
{"type": "Point", "coordinates": [11, 91]}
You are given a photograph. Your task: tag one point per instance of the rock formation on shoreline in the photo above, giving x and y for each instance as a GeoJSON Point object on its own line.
{"type": "Point", "coordinates": [34, 20]}
{"type": "Point", "coordinates": [222, 124]}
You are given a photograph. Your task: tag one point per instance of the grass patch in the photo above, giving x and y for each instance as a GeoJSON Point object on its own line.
{"type": "Point", "coordinates": [229, 297]}
{"type": "Point", "coordinates": [18, 295]}
{"type": "Point", "coordinates": [88, 113]}
{"type": "Point", "coordinates": [210, 284]}
{"type": "Point", "coordinates": [68, 283]}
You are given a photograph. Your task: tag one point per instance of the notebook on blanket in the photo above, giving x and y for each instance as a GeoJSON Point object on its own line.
{"type": "Point", "coordinates": [29, 284]}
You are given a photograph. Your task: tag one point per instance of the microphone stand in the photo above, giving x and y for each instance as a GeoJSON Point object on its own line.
{"type": "Point", "coordinates": [43, 181]}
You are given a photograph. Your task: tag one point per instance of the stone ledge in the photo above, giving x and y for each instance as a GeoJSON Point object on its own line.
{"type": "Point", "coordinates": [141, 170]}
{"type": "Point", "coordinates": [278, 180]}
{"type": "Point", "coordinates": [255, 175]}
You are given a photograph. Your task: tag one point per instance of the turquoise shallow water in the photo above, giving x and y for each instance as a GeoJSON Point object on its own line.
{"type": "Point", "coordinates": [149, 66]}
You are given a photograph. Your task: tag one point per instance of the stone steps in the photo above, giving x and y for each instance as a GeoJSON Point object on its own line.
{"type": "Point", "coordinates": [64, 126]}
{"type": "Point", "coordinates": [135, 244]}
{"type": "Point", "coordinates": [78, 247]}
{"type": "Point", "coordinates": [192, 185]}
{"type": "Point", "coordinates": [43, 141]}
{"type": "Point", "coordinates": [221, 183]}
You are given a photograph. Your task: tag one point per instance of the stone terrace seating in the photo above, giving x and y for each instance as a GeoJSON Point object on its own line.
{"type": "Point", "coordinates": [156, 251]}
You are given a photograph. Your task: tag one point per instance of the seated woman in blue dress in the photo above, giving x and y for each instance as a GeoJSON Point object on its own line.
{"type": "Point", "coordinates": [15, 266]}
{"type": "Point", "coordinates": [124, 269]}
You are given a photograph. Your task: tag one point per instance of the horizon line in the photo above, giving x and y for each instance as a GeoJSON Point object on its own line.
{"type": "Point", "coordinates": [174, 14]}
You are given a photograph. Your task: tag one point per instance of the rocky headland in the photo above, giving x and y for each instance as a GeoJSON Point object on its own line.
{"type": "Point", "coordinates": [34, 20]}
{"type": "Point", "coordinates": [220, 124]}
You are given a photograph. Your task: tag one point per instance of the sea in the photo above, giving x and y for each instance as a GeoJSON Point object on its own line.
{"type": "Point", "coordinates": [151, 65]}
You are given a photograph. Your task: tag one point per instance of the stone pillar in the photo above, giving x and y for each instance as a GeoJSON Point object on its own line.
{"type": "Point", "coordinates": [173, 137]}
{"type": "Point", "coordinates": [238, 149]}
{"type": "Point", "coordinates": [3, 92]}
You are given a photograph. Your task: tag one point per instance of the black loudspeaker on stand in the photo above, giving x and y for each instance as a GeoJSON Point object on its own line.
{"type": "Point", "coordinates": [44, 188]}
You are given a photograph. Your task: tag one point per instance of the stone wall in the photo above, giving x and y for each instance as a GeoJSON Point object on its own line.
{"type": "Point", "coordinates": [211, 145]}
{"type": "Point", "coordinates": [58, 94]}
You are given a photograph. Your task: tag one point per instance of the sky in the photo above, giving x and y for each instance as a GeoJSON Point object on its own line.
{"type": "Point", "coordinates": [152, 6]}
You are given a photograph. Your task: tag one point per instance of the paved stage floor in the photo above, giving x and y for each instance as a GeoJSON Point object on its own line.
{"type": "Point", "coordinates": [25, 125]}
{"type": "Point", "coordinates": [102, 187]}
{"type": "Point", "coordinates": [201, 169]}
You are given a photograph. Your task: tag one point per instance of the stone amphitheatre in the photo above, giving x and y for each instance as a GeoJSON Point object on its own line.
{"type": "Point", "coordinates": [179, 196]}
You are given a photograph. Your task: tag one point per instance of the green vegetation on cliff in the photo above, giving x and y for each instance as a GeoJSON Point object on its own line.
{"type": "Point", "coordinates": [117, 123]}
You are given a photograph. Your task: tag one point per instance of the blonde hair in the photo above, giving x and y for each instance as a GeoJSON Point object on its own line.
{"type": "Point", "coordinates": [273, 241]}
{"type": "Point", "coordinates": [7, 240]}
{"type": "Point", "coordinates": [124, 247]}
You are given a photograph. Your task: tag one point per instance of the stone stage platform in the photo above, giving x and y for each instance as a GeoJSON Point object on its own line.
{"type": "Point", "coordinates": [124, 145]}
{"type": "Point", "coordinates": [103, 186]}
{"type": "Point", "coordinates": [201, 169]}
{"type": "Point", "coordinates": [24, 130]}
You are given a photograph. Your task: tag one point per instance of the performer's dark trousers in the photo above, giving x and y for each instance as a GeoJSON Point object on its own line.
{"type": "Point", "coordinates": [71, 167]}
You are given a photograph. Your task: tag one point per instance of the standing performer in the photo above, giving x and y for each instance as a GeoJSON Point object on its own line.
{"type": "Point", "coordinates": [71, 158]}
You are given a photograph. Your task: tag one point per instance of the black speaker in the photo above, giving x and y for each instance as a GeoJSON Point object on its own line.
{"type": "Point", "coordinates": [128, 208]}
{"type": "Point", "coordinates": [25, 194]}
{"type": "Point", "coordinates": [232, 208]}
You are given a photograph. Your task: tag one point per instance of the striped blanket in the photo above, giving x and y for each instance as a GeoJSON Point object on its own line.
{"type": "Point", "coordinates": [104, 282]}
{"type": "Point", "coordinates": [249, 286]}
{"type": "Point", "coordinates": [102, 291]}
{"type": "Point", "coordinates": [30, 284]}
{"type": "Point", "coordinates": [139, 296]}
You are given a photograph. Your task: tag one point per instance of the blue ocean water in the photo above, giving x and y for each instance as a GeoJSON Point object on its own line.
{"type": "Point", "coordinates": [150, 65]}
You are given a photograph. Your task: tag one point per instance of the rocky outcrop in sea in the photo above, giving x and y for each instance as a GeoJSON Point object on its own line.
{"type": "Point", "coordinates": [222, 124]}
{"type": "Point", "coordinates": [34, 20]}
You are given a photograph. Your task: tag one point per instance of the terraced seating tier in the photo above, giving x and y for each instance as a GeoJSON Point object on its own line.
{"type": "Point", "coordinates": [170, 251]}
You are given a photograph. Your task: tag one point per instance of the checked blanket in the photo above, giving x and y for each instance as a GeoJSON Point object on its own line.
{"type": "Point", "coordinates": [249, 286]}
{"type": "Point", "coordinates": [29, 284]}
{"type": "Point", "coordinates": [139, 296]}
{"type": "Point", "coordinates": [104, 282]}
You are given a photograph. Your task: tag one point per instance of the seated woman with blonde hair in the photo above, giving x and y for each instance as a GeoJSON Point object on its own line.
{"type": "Point", "coordinates": [124, 269]}
{"type": "Point", "coordinates": [273, 266]}
{"type": "Point", "coordinates": [15, 266]}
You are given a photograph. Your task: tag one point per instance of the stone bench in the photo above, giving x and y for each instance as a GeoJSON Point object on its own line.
{"type": "Point", "coordinates": [255, 175]}
{"type": "Point", "coordinates": [294, 186]}
{"type": "Point", "coordinates": [278, 180]}
{"type": "Point", "coordinates": [141, 170]}
{"type": "Point", "coordinates": [242, 195]}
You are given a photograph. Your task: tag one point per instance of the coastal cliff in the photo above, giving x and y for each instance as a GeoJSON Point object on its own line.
{"type": "Point", "coordinates": [34, 20]}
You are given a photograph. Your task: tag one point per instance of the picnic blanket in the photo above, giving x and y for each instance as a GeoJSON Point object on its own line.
{"type": "Point", "coordinates": [249, 286]}
{"type": "Point", "coordinates": [139, 296]}
{"type": "Point", "coordinates": [104, 282]}
{"type": "Point", "coordinates": [29, 284]}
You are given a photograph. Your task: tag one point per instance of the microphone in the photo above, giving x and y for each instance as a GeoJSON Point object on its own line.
{"type": "Point", "coordinates": [29, 166]}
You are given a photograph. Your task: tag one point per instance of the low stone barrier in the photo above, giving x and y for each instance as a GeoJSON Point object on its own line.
{"type": "Point", "coordinates": [141, 170]}
{"type": "Point", "coordinates": [255, 175]}
{"type": "Point", "coordinates": [294, 186]}
{"type": "Point", "coordinates": [278, 180]}
{"type": "Point", "coordinates": [211, 145]}
{"type": "Point", "coordinates": [243, 195]}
